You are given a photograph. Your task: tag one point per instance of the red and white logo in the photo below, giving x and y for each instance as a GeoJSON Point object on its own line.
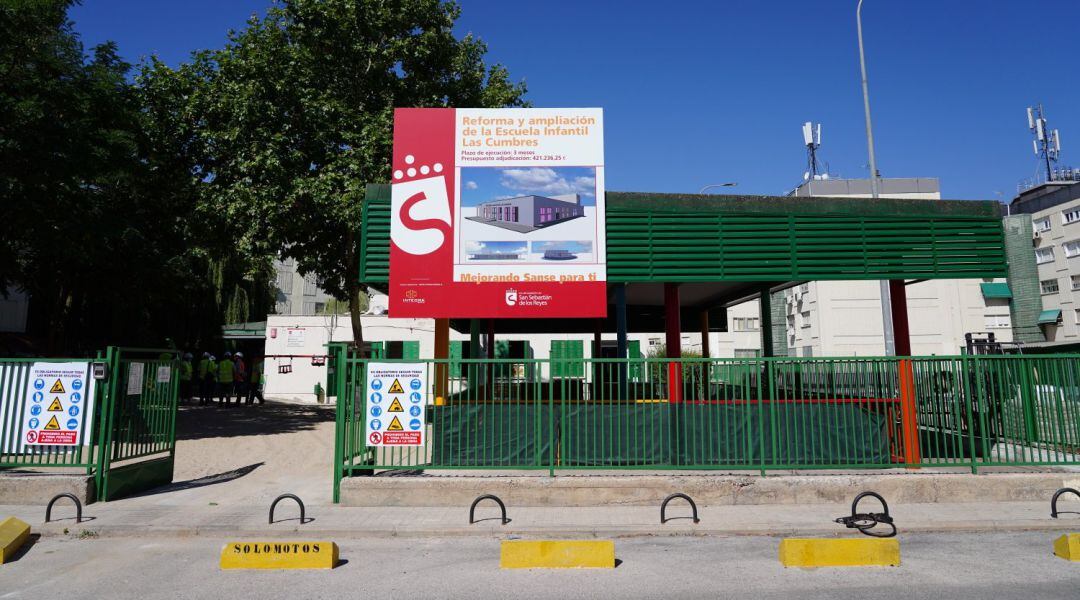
{"type": "Point", "coordinates": [375, 437]}
{"type": "Point", "coordinates": [31, 436]}
{"type": "Point", "coordinates": [511, 297]}
{"type": "Point", "coordinates": [421, 208]}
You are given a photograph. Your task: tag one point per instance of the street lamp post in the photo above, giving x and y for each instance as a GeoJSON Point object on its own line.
{"type": "Point", "coordinates": [883, 285]}
{"type": "Point", "coordinates": [715, 185]}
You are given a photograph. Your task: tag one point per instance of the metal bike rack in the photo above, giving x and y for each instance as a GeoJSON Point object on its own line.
{"type": "Point", "coordinates": [78, 507]}
{"type": "Point", "coordinates": [1053, 501]}
{"type": "Point", "coordinates": [864, 522]}
{"type": "Point", "coordinates": [502, 507]}
{"type": "Point", "coordinates": [274, 504]}
{"type": "Point", "coordinates": [663, 507]}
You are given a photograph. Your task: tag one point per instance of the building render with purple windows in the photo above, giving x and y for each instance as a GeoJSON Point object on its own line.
{"type": "Point", "coordinates": [531, 211]}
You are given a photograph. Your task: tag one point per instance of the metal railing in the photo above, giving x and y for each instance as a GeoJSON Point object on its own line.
{"type": "Point", "coordinates": [761, 414]}
{"type": "Point", "coordinates": [130, 423]}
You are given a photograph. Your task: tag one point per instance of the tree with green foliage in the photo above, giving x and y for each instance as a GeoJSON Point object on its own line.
{"type": "Point", "coordinates": [285, 126]}
{"type": "Point", "coordinates": [99, 218]}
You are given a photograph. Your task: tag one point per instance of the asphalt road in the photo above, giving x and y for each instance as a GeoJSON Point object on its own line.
{"type": "Point", "coordinates": [954, 566]}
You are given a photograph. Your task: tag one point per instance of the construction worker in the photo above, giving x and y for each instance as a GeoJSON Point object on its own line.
{"type": "Point", "coordinates": [186, 371]}
{"type": "Point", "coordinates": [206, 385]}
{"type": "Point", "coordinates": [240, 376]}
{"type": "Point", "coordinates": [255, 390]}
{"type": "Point", "coordinates": [225, 378]}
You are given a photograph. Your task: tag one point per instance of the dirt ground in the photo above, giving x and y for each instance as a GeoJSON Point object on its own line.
{"type": "Point", "coordinates": [249, 454]}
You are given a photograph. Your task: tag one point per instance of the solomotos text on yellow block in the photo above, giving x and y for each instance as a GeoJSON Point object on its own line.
{"type": "Point", "coordinates": [13, 534]}
{"type": "Point", "coordinates": [558, 554]}
{"type": "Point", "coordinates": [279, 554]}
{"type": "Point", "coordinates": [840, 552]}
{"type": "Point", "coordinates": [1068, 547]}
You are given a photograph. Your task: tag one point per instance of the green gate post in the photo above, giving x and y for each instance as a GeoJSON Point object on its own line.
{"type": "Point", "coordinates": [339, 357]}
{"type": "Point", "coordinates": [106, 408]}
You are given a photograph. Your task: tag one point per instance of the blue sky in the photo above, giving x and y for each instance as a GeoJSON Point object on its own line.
{"type": "Point", "coordinates": [483, 184]}
{"type": "Point", "coordinates": [704, 92]}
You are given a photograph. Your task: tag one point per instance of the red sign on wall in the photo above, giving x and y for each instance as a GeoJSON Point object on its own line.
{"type": "Point", "coordinates": [498, 213]}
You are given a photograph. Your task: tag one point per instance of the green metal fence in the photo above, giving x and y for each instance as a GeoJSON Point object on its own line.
{"type": "Point", "coordinates": [129, 438]}
{"type": "Point", "coordinates": [761, 414]}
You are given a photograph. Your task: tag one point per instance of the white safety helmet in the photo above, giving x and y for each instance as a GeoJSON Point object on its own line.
{"type": "Point", "coordinates": [239, 355]}
{"type": "Point", "coordinates": [187, 356]}
{"type": "Point", "coordinates": [212, 357]}
{"type": "Point", "coordinates": [228, 354]}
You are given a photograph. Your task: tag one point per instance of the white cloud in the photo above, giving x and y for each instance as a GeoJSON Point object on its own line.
{"type": "Point", "coordinates": [471, 185]}
{"type": "Point", "coordinates": [546, 181]}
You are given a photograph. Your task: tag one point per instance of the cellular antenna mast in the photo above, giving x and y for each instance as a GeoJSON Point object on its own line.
{"type": "Point", "coordinates": [812, 138]}
{"type": "Point", "coordinates": [1047, 142]}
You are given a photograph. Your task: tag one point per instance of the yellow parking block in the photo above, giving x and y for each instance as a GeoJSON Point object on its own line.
{"type": "Point", "coordinates": [1068, 547]}
{"type": "Point", "coordinates": [557, 554]}
{"type": "Point", "coordinates": [13, 534]}
{"type": "Point", "coordinates": [840, 552]}
{"type": "Point", "coordinates": [279, 554]}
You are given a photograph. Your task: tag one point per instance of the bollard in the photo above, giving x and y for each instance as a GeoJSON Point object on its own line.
{"type": "Point", "coordinates": [78, 507]}
{"type": "Point", "coordinates": [502, 507]}
{"type": "Point", "coordinates": [273, 505]}
{"type": "Point", "coordinates": [663, 506]}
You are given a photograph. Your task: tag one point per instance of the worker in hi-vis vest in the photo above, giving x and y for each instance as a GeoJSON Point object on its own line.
{"type": "Point", "coordinates": [186, 372]}
{"type": "Point", "coordinates": [240, 376]}
{"type": "Point", "coordinates": [255, 390]}
{"type": "Point", "coordinates": [225, 378]}
{"type": "Point", "coordinates": [206, 377]}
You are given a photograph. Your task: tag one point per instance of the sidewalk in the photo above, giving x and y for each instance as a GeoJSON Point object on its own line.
{"type": "Point", "coordinates": [118, 519]}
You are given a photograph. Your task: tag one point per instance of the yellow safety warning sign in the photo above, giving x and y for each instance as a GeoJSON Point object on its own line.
{"type": "Point", "coordinates": [395, 425]}
{"type": "Point", "coordinates": [396, 388]}
{"type": "Point", "coordinates": [56, 406]}
{"type": "Point", "coordinates": [53, 424]}
{"type": "Point", "coordinates": [57, 388]}
{"type": "Point", "coordinates": [395, 406]}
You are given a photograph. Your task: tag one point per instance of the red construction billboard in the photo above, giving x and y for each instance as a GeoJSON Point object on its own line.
{"type": "Point", "coordinates": [498, 213]}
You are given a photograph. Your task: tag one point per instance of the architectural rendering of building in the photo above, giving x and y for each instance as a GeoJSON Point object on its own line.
{"type": "Point", "coordinates": [529, 213]}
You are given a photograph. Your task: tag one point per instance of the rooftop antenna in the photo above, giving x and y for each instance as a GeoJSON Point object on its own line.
{"type": "Point", "coordinates": [812, 138]}
{"type": "Point", "coordinates": [1047, 142]}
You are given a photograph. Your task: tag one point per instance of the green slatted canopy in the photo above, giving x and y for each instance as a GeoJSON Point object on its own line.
{"type": "Point", "coordinates": [734, 243]}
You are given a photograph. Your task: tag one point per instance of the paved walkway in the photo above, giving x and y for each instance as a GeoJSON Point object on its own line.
{"type": "Point", "coordinates": [125, 518]}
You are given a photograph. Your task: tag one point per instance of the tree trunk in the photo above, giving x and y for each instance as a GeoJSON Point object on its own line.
{"type": "Point", "coordinates": [352, 285]}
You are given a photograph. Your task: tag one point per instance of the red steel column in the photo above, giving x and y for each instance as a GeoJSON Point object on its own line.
{"type": "Point", "coordinates": [673, 329]}
{"type": "Point", "coordinates": [902, 338]}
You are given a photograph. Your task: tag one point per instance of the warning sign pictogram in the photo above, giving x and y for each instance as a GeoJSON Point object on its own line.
{"type": "Point", "coordinates": [56, 406]}
{"type": "Point", "coordinates": [54, 425]}
{"type": "Point", "coordinates": [57, 388]}
{"type": "Point", "coordinates": [395, 406]}
{"type": "Point", "coordinates": [395, 425]}
{"type": "Point", "coordinates": [396, 388]}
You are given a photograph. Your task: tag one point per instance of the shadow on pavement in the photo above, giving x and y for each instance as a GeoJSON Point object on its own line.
{"type": "Point", "coordinates": [177, 486]}
{"type": "Point", "coordinates": [196, 422]}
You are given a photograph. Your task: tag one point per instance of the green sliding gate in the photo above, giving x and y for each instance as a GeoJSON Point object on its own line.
{"type": "Point", "coordinates": [758, 414]}
{"type": "Point", "coordinates": [129, 442]}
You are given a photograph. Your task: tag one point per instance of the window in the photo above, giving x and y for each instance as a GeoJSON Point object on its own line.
{"type": "Point", "coordinates": [805, 319]}
{"type": "Point", "coordinates": [1076, 315]}
{"type": "Point", "coordinates": [804, 288]}
{"type": "Point", "coordinates": [1070, 216]}
{"type": "Point", "coordinates": [747, 353]}
{"type": "Point", "coordinates": [745, 324]}
{"type": "Point", "coordinates": [998, 322]}
{"type": "Point", "coordinates": [284, 281]}
{"type": "Point", "coordinates": [1042, 224]}
{"type": "Point", "coordinates": [1076, 282]}
{"type": "Point", "coordinates": [1044, 255]}
{"type": "Point", "coordinates": [807, 350]}
{"type": "Point", "coordinates": [1049, 286]}
{"type": "Point", "coordinates": [1072, 248]}
{"type": "Point", "coordinates": [309, 308]}
{"type": "Point", "coordinates": [309, 285]}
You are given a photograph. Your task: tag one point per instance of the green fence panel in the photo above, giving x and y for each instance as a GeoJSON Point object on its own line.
{"type": "Point", "coordinates": [500, 435]}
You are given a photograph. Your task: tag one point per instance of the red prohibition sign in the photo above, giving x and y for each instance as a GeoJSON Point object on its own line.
{"type": "Point", "coordinates": [31, 436]}
{"type": "Point", "coordinates": [375, 437]}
